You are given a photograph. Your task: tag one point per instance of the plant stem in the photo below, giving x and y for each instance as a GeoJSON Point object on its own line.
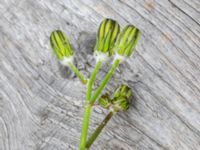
{"type": "Point", "coordinates": [98, 130]}
{"type": "Point", "coordinates": [77, 73]}
{"type": "Point", "coordinates": [105, 80]}
{"type": "Point", "coordinates": [85, 122]}
{"type": "Point", "coordinates": [87, 110]}
{"type": "Point", "coordinates": [91, 80]}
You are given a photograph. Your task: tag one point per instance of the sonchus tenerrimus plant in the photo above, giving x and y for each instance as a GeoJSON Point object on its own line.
{"type": "Point", "coordinates": [110, 44]}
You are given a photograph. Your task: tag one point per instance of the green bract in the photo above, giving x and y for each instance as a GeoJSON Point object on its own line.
{"type": "Point", "coordinates": [106, 36]}
{"type": "Point", "coordinates": [60, 45]}
{"type": "Point", "coordinates": [127, 40]}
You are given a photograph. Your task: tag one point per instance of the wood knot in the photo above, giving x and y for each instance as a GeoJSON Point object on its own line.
{"type": "Point", "coordinates": [149, 5]}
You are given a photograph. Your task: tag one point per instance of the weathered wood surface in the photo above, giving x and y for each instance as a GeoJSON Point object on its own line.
{"type": "Point", "coordinates": [41, 102]}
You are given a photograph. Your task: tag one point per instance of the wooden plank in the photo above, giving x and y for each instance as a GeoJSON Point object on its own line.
{"type": "Point", "coordinates": [41, 103]}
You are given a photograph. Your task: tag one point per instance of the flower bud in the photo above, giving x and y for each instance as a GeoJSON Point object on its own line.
{"type": "Point", "coordinates": [61, 47]}
{"type": "Point", "coordinates": [104, 101]}
{"type": "Point", "coordinates": [127, 40]}
{"type": "Point", "coordinates": [106, 36]}
{"type": "Point", "coordinates": [121, 98]}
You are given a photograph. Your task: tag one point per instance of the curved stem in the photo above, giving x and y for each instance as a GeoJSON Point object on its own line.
{"type": "Point", "coordinates": [98, 130]}
{"type": "Point", "coordinates": [85, 122]}
{"type": "Point", "coordinates": [104, 81]}
{"type": "Point", "coordinates": [77, 73]}
{"type": "Point", "coordinates": [87, 110]}
{"type": "Point", "coordinates": [91, 80]}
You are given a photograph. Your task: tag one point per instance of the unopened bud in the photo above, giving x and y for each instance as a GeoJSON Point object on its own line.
{"type": "Point", "coordinates": [127, 40]}
{"type": "Point", "coordinates": [106, 36]}
{"type": "Point", "coordinates": [61, 47]}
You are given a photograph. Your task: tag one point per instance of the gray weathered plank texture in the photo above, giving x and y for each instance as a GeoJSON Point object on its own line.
{"type": "Point", "coordinates": [41, 103]}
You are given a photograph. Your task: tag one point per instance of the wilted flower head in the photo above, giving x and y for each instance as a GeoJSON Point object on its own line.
{"type": "Point", "coordinates": [119, 101]}
{"type": "Point", "coordinates": [127, 40]}
{"type": "Point", "coordinates": [104, 101]}
{"type": "Point", "coordinates": [61, 46]}
{"type": "Point", "coordinates": [121, 98]}
{"type": "Point", "coordinates": [122, 91]}
{"type": "Point", "coordinates": [106, 36]}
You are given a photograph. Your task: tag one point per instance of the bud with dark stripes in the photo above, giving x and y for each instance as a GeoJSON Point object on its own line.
{"type": "Point", "coordinates": [126, 41]}
{"type": "Point", "coordinates": [61, 47]}
{"type": "Point", "coordinates": [106, 36]}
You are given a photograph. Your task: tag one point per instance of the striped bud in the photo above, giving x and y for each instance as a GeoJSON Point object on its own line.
{"type": "Point", "coordinates": [106, 36]}
{"type": "Point", "coordinates": [121, 98]}
{"type": "Point", "coordinates": [104, 101]}
{"type": "Point", "coordinates": [127, 40]}
{"type": "Point", "coordinates": [60, 45]}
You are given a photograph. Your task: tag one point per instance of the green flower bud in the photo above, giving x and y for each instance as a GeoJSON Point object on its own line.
{"type": "Point", "coordinates": [121, 98]}
{"type": "Point", "coordinates": [61, 47]}
{"type": "Point", "coordinates": [127, 40]}
{"type": "Point", "coordinates": [106, 36]}
{"type": "Point", "coordinates": [104, 101]}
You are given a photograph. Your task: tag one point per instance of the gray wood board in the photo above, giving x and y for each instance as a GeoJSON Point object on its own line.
{"type": "Point", "coordinates": [41, 103]}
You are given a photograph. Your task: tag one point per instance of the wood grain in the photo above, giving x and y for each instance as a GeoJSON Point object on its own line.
{"type": "Point", "coordinates": [41, 103]}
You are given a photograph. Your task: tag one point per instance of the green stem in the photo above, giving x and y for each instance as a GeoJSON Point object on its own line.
{"type": "Point", "coordinates": [87, 110]}
{"type": "Point", "coordinates": [91, 80]}
{"type": "Point", "coordinates": [85, 122]}
{"type": "Point", "coordinates": [77, 73]}
{"type": "Point", "coordinates": [98, 130]}
{"type": "Point", "coordinates": [105, 80]}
